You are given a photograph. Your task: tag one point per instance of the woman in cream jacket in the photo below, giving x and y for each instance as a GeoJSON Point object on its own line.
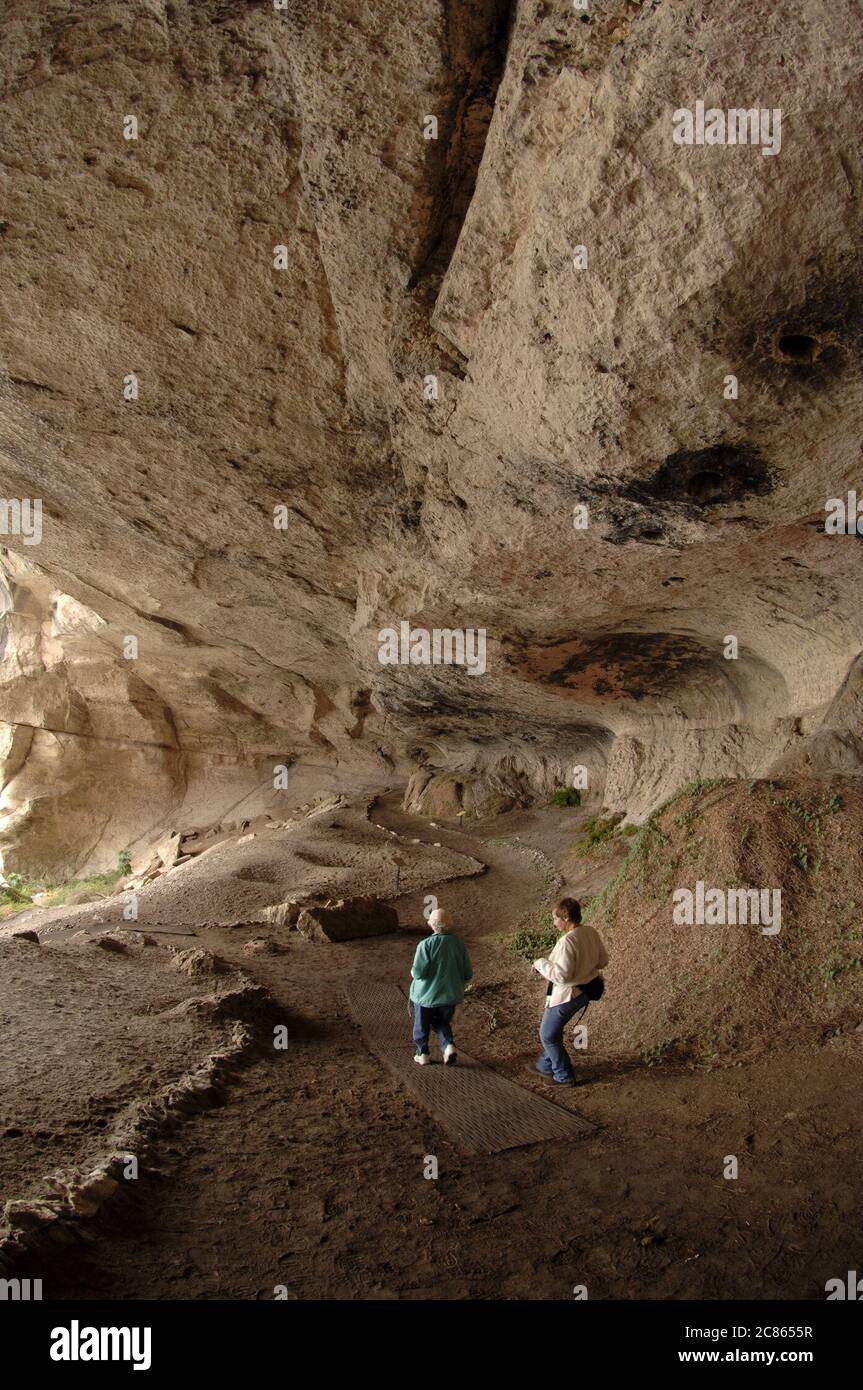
{"type": "Point", "coordinates": [573, 971]}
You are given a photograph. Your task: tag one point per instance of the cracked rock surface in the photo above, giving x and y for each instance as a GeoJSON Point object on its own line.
{"type": "Point", "coordinates": [297, 138]}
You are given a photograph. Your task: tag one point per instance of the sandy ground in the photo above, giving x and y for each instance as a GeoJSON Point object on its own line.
{"type": "Point", "coordinates": [85, 1034]}
{"type": "Point", "coordinates": [311, 1175]}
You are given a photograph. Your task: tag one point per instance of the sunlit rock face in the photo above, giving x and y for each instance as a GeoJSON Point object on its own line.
{"type": "Point", "coordinates": [485, 376]}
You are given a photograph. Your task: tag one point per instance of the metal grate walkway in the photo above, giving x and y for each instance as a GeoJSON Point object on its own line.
{"type": "Point", "coordinates": [480, 1109]}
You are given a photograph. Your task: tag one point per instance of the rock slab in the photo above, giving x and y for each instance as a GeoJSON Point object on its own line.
{"type": "Point", "coordinates": [348, 920]}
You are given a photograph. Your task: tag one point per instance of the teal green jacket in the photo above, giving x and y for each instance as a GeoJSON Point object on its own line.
{"type": "Point", "coordinates": [440, 971]}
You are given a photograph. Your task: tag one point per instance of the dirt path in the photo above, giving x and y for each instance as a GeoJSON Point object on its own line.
{"type": "Point", "coordinates": [519, 881]}
{"type": "Point", "coordinates": [311, 1175]}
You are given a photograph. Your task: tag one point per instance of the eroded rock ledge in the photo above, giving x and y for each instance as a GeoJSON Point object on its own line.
{"type": "Point", "coordinates": [406, 259]}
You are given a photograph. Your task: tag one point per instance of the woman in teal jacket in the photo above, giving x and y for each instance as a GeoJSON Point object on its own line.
{"type": "Point", "coordinates": [440, 971]}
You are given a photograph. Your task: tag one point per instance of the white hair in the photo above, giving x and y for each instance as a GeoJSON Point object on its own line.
{"type": "Point", "coordinates": [440, 921]}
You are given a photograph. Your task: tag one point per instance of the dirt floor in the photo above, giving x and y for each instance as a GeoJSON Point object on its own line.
{"type": "Point", "coordinates": [309, 1177]}
{"type": "Point", "coordinates": [86, 1035]}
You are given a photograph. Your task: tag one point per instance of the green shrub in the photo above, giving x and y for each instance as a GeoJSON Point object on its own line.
{"type": "Point", "coordinates": [566, 796]}
{"type": "Point", "coordinates": [529, 943]}
{"type": "Point", "coordinates": [596, 832]}
{"type": "Point", "coordinates": [14, 894]}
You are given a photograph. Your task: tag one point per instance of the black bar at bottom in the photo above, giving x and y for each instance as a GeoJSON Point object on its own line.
{"type": "Point", "coordinates": [165, 1339]}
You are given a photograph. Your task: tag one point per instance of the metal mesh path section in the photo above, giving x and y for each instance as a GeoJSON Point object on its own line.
{"type": "Point", "coordinates": [381, 1010]}
{"type": "Point", "coordinates": [480, 1109]}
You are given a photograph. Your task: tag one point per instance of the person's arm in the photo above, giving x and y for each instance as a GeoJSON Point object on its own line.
{"type": "Point", "coordinates": [564, 969]}
{"type": "Point", "coordinates": [466, 967]}
{"type": "Point", "coordinates": [421, 969]}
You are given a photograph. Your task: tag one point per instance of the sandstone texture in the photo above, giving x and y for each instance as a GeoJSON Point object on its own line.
{"type": "Point", "coordinates": [167, 648]}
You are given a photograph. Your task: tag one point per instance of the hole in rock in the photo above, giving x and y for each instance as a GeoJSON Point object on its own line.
{"type": "Point", "coordinates": [706, 487]}
{"type": "Point", "coordinates": [708, 477]}
{"type": "Point", "coordinates": [797, 347]}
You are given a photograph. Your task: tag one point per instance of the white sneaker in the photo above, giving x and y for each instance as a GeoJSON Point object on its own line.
{"type": "Point", "coordinates": [449, 1054]}
{"type": "Point", "coordinates": [422, 1059]}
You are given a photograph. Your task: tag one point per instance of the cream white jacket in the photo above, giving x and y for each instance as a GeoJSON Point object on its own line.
{"type": "Point", "coordinates": [578, 958]}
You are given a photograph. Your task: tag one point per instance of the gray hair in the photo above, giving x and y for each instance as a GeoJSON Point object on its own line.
{"type": "Point", "coordinates": [440, 921]}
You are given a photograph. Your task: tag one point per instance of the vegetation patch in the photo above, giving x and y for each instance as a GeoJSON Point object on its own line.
{"type": "Point", "coordinates": [529, 943]}
{"type": "Point", "coordinates": [639, 866]}
{"type": "Point", "coordinates": [17, 892]}
{"type": "Point", "coordinates": [712, 994]}
{"type": "Point", "coordinates": [595, 832]}
{"type": "Point", "coordinates": [566, 796]}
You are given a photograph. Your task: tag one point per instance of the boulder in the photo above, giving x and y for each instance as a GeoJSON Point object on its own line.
{"type": "Point", "coordinates": [262, 946]}
{"type": "Point", "coordinates": [88, 1196]}
{"type": "Point", "coordinates": [167, 850]}
{"type": "Point", "coordinates": [28, 1216]}
{"type": "Point", "coordinates": [284, 914]}
{"type": "Point", "coordinates": [348, 920]}
{"type": "Point", "coordinates": [196, 963]}
{"type": "Point", "coordinates": [110, 943]}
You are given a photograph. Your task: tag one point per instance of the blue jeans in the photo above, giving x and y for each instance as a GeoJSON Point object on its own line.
{"type": "Point", "coordinates": [555, 1060]}
{"type": "Point", "coordinates": [439, 1017]}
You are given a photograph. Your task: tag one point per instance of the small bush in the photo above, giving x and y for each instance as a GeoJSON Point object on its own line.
{"type": "Point", "coordinates": [566, 796]}
{"type": "Point", "coordinates": [124, 862]}
{"type": "Point", "coordinates": [530, 943]}
{"type": "Point", "coordinates": [653, 1056]}
{"type": "Point", "coordinates": [15, 892]}
{"type": "Point", "coordinates": [596, 832]}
